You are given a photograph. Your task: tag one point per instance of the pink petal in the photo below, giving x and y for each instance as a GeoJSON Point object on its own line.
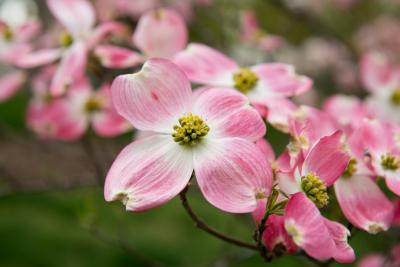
{"type": "Point", "coordinates": [38, 58]}
{"type": "Point", "coordinates": [393, 181]}
{"type": "Point", "coordinates": [161, 33]}
{"type": "Point", "coordinates": [56, 120]}
{"type": "Point", "coordinates": [363, 203]}
{"type": "Point", "coordinates": [228, 114]}
{"type": "Point", "coordinates": [344, 253]}
{"type": "Point", "coordinates": [76, 15]}
{"type": "Point", "coordinates": [266, 149]}
{"type": "Point", "coordinates": [376, 72]}
{"type": "Point", "coordinates": [232, 174]}
{"type": "Point", "coordinates": [104, 30]}
{"type": "Point", "coordinates": [279, 110]}
{"type": "Point", "coordinates": [28, 30]}
{"type": "Point", "coordinates": [205, 65]}
{"type": "Point", "coordinates": [306, 225]}
{"type": "Point", "coordinates": [346, 110]}
{"type": "Point", "coordinates": [107, 122]}
{"type": "Point", "coordinates": [71, 68]}
{"type": "Point", "coordinates": [148, 173]}
{"type": "Point", "coordinates": [10, 83]}
{"type": "Point", "coordinates": [372, 260]}
{"type": "Point", "coordinates": [327, 159]}
{"type": "Point", "coordinates": [275, 234]}
{"type": "Point", "coordinates": [396, 218]}
{"type": "Point", "coordinates": [115, 57]}
{"type": "Point", "coordinates": [154, 98]}
{"type": "Point", "coordinates": [277, 79]}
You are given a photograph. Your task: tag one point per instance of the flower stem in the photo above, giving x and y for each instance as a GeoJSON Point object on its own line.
{"type": "Point", "coordinates": [203, 226]}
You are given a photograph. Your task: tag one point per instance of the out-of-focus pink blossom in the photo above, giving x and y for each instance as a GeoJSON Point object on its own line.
{"type": "Point", "coordinates": [78, 18]}
{"type": "Point", "coordinates": [383, 81]}
{"type": "Point", "coordinates": [252, 33]}
{"type": "Point", "coordinates": [211, 131]}
{"type": "Point", "coordinates": [381, 35]}
{"type": "Point", "coordinates": [10, 83]}
{"type": "Point", "coordinates": [264, 84]}
{"type": "Point", "coordinates": [67, 118]}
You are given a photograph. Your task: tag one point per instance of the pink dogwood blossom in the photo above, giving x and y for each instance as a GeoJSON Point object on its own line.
{"type": "Point", "coordinates": [211, 131]}
{"type": "Point", "coordinates": [263, 84]}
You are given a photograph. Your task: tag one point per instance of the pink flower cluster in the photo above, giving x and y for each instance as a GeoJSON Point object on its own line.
{"type": "Point", "coordinates": [201, 116]}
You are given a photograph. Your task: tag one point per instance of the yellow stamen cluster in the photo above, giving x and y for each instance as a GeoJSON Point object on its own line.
{"type": "Point", "coordinates": [351, 168]}
{"type": "Point", "coordinates": [92, 105]}
{"type": "Point", "coordinates": [66, 39]}
{"type": "Point", "coordinates": [389, 162]}
{"type": "Point", "coordinates": [315, 189]}
{"type": "Point", "coordinates": [395, 98]}
{"type": "Point", "coordinates": [8, 34]}
{"type": "Point", "coordinates": [245, 80]}
{"type": "Point", "coordinates": [190, 130]}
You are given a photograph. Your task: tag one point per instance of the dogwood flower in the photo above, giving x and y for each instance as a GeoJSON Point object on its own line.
{"type": "Point", "coordinates": [67, 118]}
{"type": "Point", "coordinates": [320, 238]}
{"type": "Point", "coordinates": [159, 33]}
{"type": "Point", "coordinates": [211, 131]}
{"type": "Point", "coordinates": [252, 33]}
{"type": "Point", "coordinates": [320, 168]}
{"type": "Point", "coordinates": [264, 84]}
{"type": "Point", "coordinates": [78, 17]}
{"type": "Point", "coordinates": [382, 80]}
{"type": "Point", "coordinates": [360, 198]}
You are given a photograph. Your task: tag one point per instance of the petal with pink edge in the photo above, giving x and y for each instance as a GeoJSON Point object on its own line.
{"type": "Point", "coordinates": [344, 252]}
{"type": "Point", "coordinates": [278, 111]}
{"type": "Point", "coordinates": [38, 58]}
{"type": "Point", "coordinates": [275, 235]}
{"type": "Point", "coordinates": [10, 83]}
{"type": "Point", "coordinates": [277, 79]}
{"type": "Point", "coordinates": [364, 204]}
{"type": "Point", "coordinates": [266, 149]}
{"type": "Point", "coordinates": [228, 114]}
{"type": "Point", "coordinates": [70, 69]}
{"type": "Point", "coordinates": [161, 33]}
{"type": "Point", "coordinates": [107, 122]}
{"type": "Point", "coordinates": [205, 65]}
{"type": "Point", "coordinates": [232, 173]}
{"type": "Point", "coordinates": [115, 57]}
{"type": "Point", "coordinates": [154, 98]}
{"type": "Point", "coordinates": [327, 159]}
{"type": "Point", "coordinates": [376, 72]}
{"type": "Point", "coordinates": [306, 226]}
{"type": "Point", "coordinates": [392, 179]}
{"type": "Point", "coordinates": [148, 173]}
{"type": "Point", "coordinates": [77, 16]}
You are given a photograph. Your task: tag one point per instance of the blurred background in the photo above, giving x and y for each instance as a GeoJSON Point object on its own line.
{"type": "Point", "coordinates": [52, 211]}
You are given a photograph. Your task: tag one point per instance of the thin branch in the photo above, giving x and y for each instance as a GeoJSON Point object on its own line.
{"type": "Point", "coordinates": [89, 149]}
{"type": "Point", "coordinates": [203, 226]}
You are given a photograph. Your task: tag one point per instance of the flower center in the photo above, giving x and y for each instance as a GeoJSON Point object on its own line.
{"type": "Point", "coordinates": [65, 39]}
{"type": "Point", "coordinates": [190, 130]}
{"type": "Point", "coordinates": [315, 189]}
{"type": "Point", "coordinates": [92, 105]}
{"type": "Point", "coordinates": [395, 98]}
{"type": "Point", "coordinates": [245, 80]}
{"type": "Point", "coordinates": [389, 162]}
{"type": "Point", "coordinates": [8, 34]}
{"type": "Point", "coordinates": [351, 168]}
